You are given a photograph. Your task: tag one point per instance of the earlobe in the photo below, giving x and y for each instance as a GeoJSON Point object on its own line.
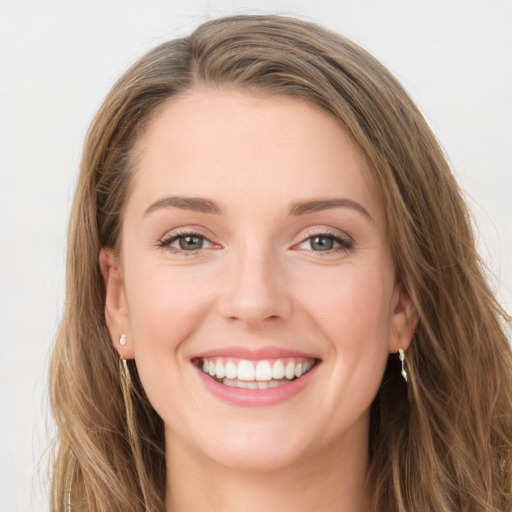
{"type": "Point", "coordinates": [403, 322]}
{"type": "Point", "coordinates": [116, 313]}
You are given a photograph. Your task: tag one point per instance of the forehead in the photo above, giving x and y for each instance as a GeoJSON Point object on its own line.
{"type": "Point", "coordinates": [232, 144]}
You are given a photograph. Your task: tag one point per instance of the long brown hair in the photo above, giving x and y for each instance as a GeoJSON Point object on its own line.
{"type": "Point", "coordinates": [441, 443]}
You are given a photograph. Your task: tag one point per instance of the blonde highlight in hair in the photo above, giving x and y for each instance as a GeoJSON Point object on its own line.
{"type": "Point", "coordinates": [445, 448]}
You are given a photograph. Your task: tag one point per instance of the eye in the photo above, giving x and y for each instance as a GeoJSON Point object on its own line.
{"type": "Point", "coordinates": [325, 242]}
{"type": "Point", "coordinates": [190, 242]}
{"type": "Point", "coordinates": [185, 242]}
{"type": "Point", "coordinates": [321, 243]}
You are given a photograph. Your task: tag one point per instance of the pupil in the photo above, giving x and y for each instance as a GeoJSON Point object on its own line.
{"type": "Point", "coordinates": [191, 242]}
{"type": "Point", "coordinates": [322, 243]}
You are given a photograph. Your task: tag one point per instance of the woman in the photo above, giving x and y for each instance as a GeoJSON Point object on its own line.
{"type": "Point", "coordinates": [274, 299]}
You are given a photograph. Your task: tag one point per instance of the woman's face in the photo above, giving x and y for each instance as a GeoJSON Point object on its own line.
{"type": "Point", "coordinates": [254, 248]}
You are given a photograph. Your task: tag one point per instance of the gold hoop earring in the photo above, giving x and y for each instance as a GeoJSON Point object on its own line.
{"type": "Point", "coordinates": [401, 356]}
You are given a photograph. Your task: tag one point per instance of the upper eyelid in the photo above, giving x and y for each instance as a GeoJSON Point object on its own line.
{"type": "Point", "coordinates": [332, 232]}
{"type": "Point", "coordinates": [184, 231]}
{"type": "Point", "coordinates": [175, 235]}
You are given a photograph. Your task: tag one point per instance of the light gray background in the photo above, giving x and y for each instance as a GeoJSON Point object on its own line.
{"type": "Point", "coordinates": [59, 58]}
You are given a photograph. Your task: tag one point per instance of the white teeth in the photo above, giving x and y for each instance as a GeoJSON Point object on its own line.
{"type": "Point", "coordinates": [252, 385]}
{"type": "Point", "coordinates": [257, 374]}
{"type": "Point", "coordinates": [220, 373]}
{"type": "Point", "coordinates": [289, 371]}
{"type": "Point", "coordinates": [244, 384]}
{"type": "Point", "coordinates": [263, 371]}
{"type": "Point", "coordinates": [245, 370]}
{"type": "Point", "coordinates": [278, 370]}
{"type": "Point", "coordinates": [231, 371]}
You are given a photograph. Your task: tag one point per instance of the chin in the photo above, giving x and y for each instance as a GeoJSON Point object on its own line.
{"type": "Point", "coordinates": [260, 458]}
{"type": "Point", "coordinates": [242, 447]}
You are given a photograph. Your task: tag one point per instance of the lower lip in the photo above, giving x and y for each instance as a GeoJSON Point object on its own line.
{"type": "Point", "coordinates": [243, 397]}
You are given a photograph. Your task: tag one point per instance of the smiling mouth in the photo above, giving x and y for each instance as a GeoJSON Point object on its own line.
{"type": "Point", "coordinates": [263, 374]}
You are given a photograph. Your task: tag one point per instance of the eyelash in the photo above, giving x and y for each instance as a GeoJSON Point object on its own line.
{"type": "Point", "coordinates": [344, 243]}
{"type": "Point", "coordinates": [165, 243]}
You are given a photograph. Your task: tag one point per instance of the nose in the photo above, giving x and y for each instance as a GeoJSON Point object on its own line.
{"type": "Point", "coordinates": [256, 293]}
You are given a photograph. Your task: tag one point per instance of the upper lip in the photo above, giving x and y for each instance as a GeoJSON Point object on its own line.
{"type": "Point", "coordinates": [254, 354]}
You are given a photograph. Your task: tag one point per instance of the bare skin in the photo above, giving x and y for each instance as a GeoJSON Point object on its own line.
{"type": "Point", "coordinates": [320, 482]}
{"type": "Point", "coordinates": [254, 224]}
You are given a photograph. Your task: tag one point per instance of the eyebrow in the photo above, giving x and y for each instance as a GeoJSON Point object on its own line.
{"type": "Point", "coordinates": [316, 205]}
{"type": "Point", "coordinates": [195, 204]}
{"type": "Point", "coordinates": [202, 205]}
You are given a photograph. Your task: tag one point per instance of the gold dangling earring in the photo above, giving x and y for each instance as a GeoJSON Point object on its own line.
{"type": "Point", "coordinates": [401, 356]}
{"type": "Point", "coordinates": [69, 481]}
{"type": "Point", "coordinates": [126, 387]}
{"type": "Point", "coordinates": [133, 439]}
{"type": "Point", "coordinates": [124, 372]}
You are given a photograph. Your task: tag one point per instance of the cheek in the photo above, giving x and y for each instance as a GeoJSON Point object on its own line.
{"type": "Point", "coordinates": [349, 308]}
{"type": "Point", "coordinates": [164, 304]}
{"type": "Point", "coordinates": [352, 308]}
{"type": "Point", "coordinates": [349, 301]}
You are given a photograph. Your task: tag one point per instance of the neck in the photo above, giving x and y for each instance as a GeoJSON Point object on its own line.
{"type": "Point", "coordinates": [333, 480]}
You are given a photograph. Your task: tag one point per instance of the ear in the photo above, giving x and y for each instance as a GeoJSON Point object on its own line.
{"type": "Point", "coordinates": [403, 321]}
{"type": "Point", "coordinates": [116, 312]}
